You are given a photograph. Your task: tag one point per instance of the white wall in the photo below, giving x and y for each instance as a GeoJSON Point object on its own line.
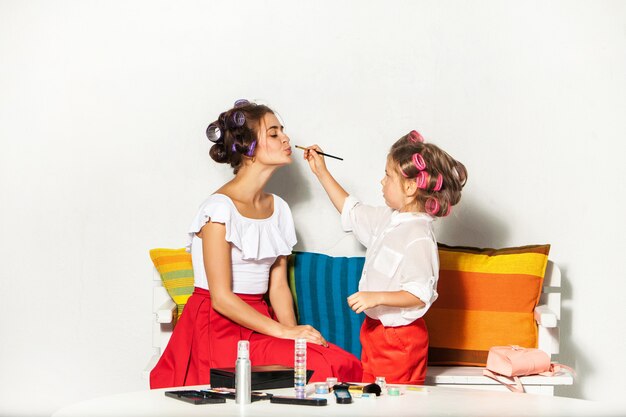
{"type": "Point", "coordinates": [103, 107]}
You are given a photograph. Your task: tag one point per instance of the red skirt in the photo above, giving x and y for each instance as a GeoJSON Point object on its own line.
{"type": "Point", "coordinates": [205, 339]}
{"type": "Point", "coordinates": [397, 353]}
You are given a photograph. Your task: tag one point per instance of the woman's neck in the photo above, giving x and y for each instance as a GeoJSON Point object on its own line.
{"type": "Point", "coordinates": [249, 183]}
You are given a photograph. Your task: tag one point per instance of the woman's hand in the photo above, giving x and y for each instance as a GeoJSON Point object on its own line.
{"type": "Point", "coordinates": [362, 300]}
{"type": "Point", "coordinates": [304, 332]}
{"type": "Point", "coordinates": [315, 160]}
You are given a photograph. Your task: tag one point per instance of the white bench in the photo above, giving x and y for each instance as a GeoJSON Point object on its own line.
{"type": "Point", "coordinates": [547, 316]}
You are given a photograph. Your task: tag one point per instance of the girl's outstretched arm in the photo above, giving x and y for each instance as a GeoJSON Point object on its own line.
{"type": "Point", "coordinates": [335, 191]}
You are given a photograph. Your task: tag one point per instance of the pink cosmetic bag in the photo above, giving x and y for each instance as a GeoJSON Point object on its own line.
{"type": "Point", "coordinates": [515, 361]}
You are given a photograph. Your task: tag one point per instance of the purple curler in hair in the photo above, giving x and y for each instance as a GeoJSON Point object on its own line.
{"type": "Point", "coordinates": [213, 133]}
{"type": "Point", "coordinates": [418, 161]}
{"type": "Point", "coordinates": [432, 206]}
{"type": "Point", "coordinates": [234, 147]}
{"type": "Point", "coordinates": [422, 180]}
{"type": "Point", "coordinates": [251, 149]}
{"type": "Point", "coordinates": [239, 119]}
{"type": "Point", "coordinates": [241, 102]}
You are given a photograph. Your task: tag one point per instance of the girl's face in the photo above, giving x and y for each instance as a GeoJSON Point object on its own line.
{"type": "Point", "coordinates": [393, 187]}
{"type": "Point", "coordinates": [273, 147]}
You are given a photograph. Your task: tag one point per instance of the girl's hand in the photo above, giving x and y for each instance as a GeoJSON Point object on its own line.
{"type": "Point", "coordinates": [315, 160]}
{"type": "Point", "coordinates": [362, 300]}
{"type": "Point", "coordinates": [305, 332]}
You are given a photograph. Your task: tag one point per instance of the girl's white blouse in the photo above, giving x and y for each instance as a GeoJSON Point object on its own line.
{"type": "Point", "coordinates": [255, 243]}
{"type": "Point", "coordinates": [401, 255]}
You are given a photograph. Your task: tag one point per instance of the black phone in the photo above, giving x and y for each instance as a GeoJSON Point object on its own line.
{"type": "Point", "coordinates": [277, 399]}
{"type": "Point", "coordinates": [231, 394]}
{"type": "Point", "coordinates": [195, 397]}
{"type": "Point", "coordinates": [342, 395]}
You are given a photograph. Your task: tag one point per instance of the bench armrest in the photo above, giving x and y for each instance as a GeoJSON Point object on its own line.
{"type": "Point", "coordinates": [545, 317]}
{"type": "Point", "coordinates": [166, 312]}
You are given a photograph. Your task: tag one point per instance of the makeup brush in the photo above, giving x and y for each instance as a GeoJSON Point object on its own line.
{"type": "Point", "coordinates": [321, 153]}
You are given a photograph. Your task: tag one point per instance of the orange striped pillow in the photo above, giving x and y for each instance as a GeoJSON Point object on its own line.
{"type": "Point", "coordinates": [486, 298]}
{"type": "Point", "coordinates": [176, 270]}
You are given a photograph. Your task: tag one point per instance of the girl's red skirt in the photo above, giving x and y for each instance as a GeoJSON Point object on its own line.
{"type": "Point", "coordinates": [205, 339]}
{"type": "Point", "coordinates": [397, 353]}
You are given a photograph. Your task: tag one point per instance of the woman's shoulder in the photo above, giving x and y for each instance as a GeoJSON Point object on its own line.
{"type": "Point", "coordinates": [280, 203]}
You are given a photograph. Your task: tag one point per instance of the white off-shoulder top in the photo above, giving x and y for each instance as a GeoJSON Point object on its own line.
{"type": "Point", "coordinates": [255, 243]}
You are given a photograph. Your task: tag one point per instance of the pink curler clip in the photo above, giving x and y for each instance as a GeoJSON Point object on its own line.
{"type": "Point", "coordinates": [403, 173]}
{"type": "Point", "coordinates": [439, 182]}
{"type": "Point", "coordinates": [422, 180]}
{"type": "Point", "coordinates": [415, 137]}
{"type": "Point", "coordinates": [448, 210]}
{"type": "Point", "coordinates": [432, 206]}
{"type": "Point", "coordinates": [418, 161]}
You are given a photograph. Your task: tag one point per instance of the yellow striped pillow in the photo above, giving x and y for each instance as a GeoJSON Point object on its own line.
{"type": "Point", "coordinates": [176, 270]}
{"type": "Point", "coordinates": [486, 298]}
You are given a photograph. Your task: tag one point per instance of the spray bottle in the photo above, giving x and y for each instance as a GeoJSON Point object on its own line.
{"type": "Point", "coordinates": [243, 377]}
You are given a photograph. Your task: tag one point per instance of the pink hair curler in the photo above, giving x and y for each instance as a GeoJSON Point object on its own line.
{"type": "Point", "coordinates": [415, 137]}
{"type": "Point", "coordinates": [422, 180]}
{"type": "Point", "coordinates": [448, 210]}
{"type": "Point", "coordinates": [439, 182]}
{"type": "Point", "coordinates": [432, 206]}
{"type": "Point", "coordinates": [403, 173]}
{"type": "Point", "coordinates": [418, 161]}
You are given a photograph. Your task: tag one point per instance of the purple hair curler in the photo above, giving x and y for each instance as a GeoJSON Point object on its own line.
{"type": "Point", "coordinates": [213, 133]}
{"type": "Point", "coordinates": [241, 102]}
{"type": "Point", "coordinates": [238, 118]}
{"type": "Point", "coordinates": [251, 149]}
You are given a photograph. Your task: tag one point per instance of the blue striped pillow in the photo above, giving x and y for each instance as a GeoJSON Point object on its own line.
{"type": "Point", "coordinates": [322, 284]}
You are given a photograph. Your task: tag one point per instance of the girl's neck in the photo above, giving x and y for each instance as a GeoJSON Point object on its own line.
{"type": "Point", "coordinates": [411, 208]}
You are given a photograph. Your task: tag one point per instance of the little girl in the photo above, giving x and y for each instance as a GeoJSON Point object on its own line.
{"type": "Point", "coordinates": [399, 279]}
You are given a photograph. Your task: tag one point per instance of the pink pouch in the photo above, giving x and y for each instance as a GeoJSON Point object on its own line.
{"type": "Point", "coordinates": [515, 361]}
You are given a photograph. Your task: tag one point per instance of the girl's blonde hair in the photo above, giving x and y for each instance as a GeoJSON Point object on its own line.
{"type": "Point", "coordinates": [440, 177]}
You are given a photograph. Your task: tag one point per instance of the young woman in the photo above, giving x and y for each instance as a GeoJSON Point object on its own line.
{"type": "Point", "coordinates": [240, 240]}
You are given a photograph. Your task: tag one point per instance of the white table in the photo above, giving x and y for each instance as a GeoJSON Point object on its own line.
{"type": "Point", "coordinates": [436, 401]}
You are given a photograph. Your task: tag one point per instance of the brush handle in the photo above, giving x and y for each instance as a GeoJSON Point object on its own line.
{"type": "Point", "coordinates": [321, 153]}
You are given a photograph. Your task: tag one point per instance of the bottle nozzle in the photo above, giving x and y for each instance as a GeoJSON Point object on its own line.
{"type": "Point", "coordinates": [243, 349]}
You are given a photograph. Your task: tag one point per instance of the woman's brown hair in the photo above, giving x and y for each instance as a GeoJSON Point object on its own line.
{"type": "Point", "coordinates": [236, 135]}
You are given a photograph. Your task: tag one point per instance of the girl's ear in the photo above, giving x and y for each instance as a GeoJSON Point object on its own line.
{"type": "Point", "coordinates": [410, 187]}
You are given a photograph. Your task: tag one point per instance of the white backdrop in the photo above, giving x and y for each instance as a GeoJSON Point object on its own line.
{"type": "Point", "coordinates": [103, 107]}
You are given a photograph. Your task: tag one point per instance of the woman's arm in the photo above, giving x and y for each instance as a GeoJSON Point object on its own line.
{"type": "Point", "coordinates": [280, 294]}
{"type": "Point", "coordinates": [335, 191]}
{"type": "Point", "coordinates": [217, 265]}
{"type": "Point", "coordinates": [362, 300]}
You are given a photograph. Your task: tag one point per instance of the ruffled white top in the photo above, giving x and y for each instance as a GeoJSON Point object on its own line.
{"type": "Point", "coordinates": [401, 255]}
{"type": "Point", "coordinates": [255, 243]}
